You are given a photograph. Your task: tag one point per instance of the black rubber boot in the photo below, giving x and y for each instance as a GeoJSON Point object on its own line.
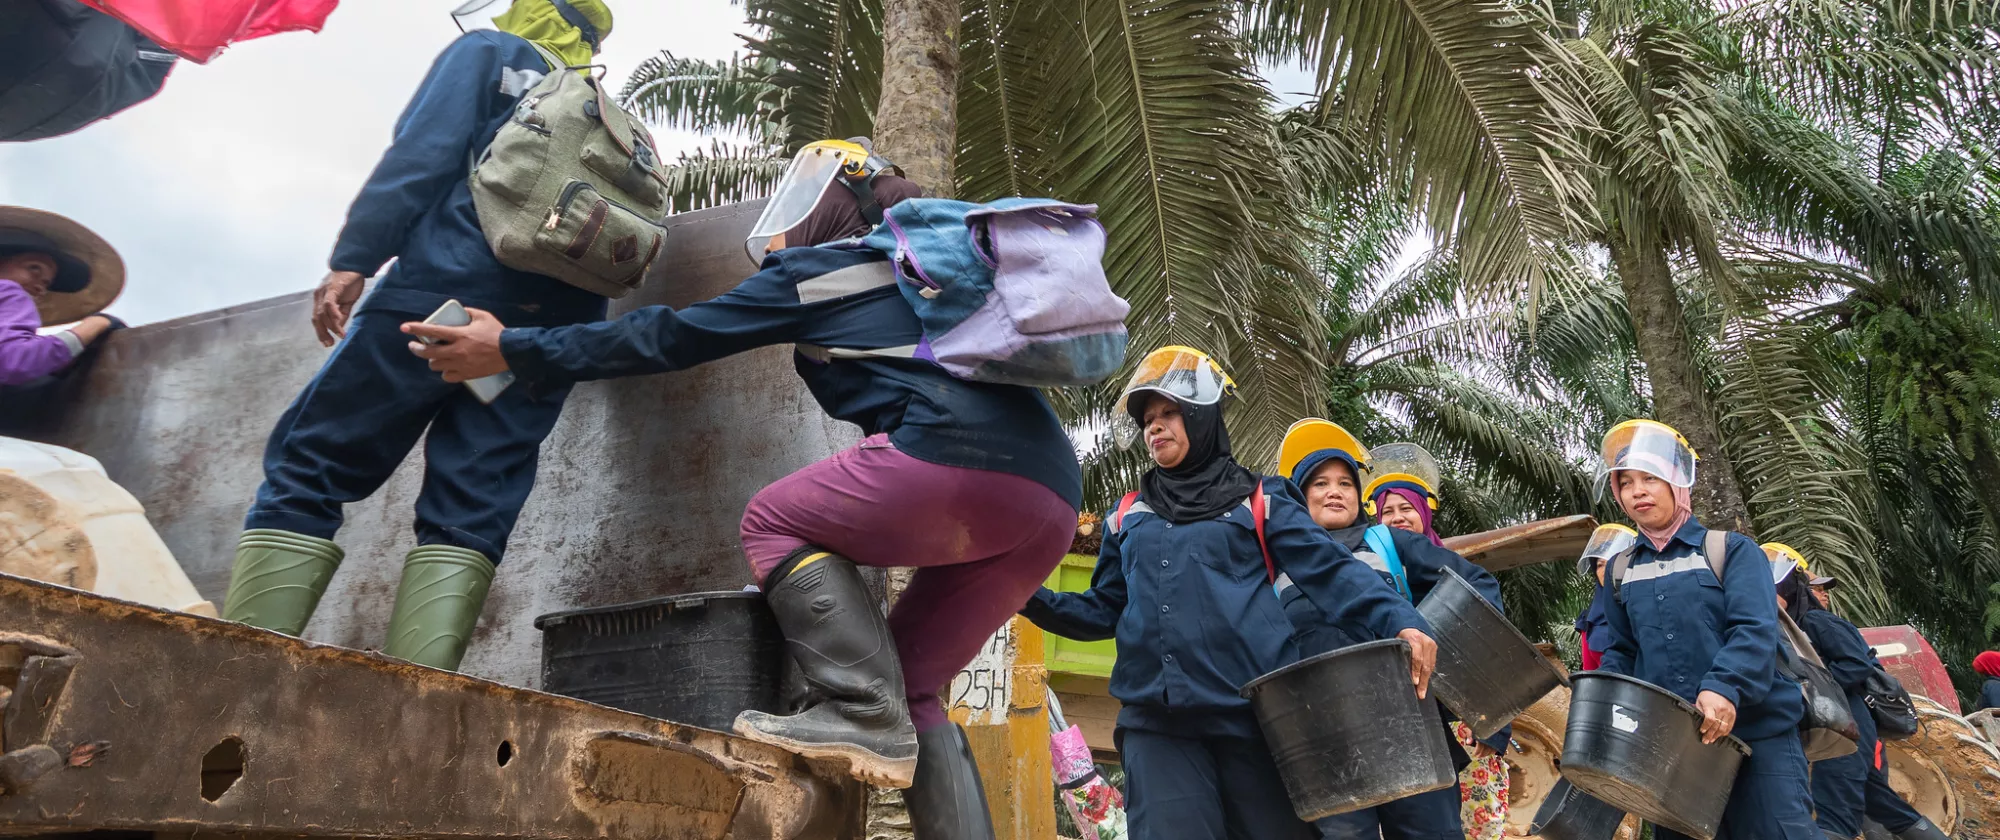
{"type": "Point", "coordinates": [1923, 830]}
{"type": "Point", "coordinates": [946, 800]}
{"type": "Point", "coordinates": [842, 645]}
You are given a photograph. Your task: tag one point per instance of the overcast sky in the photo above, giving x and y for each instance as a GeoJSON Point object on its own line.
{"type": "Point", "coordinates": [230, 185]}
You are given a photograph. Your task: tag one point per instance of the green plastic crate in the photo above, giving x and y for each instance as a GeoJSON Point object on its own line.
{"type": "Point", "coordinates": [1068, 656]}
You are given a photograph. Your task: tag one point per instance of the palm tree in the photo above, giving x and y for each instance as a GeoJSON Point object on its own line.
{"type": "Point", "coordinates": [1149, 109]}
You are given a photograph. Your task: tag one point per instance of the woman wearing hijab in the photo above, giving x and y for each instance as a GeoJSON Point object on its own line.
{"type": "Point", "coordinates": [1327, 463]}
{"type": "Point", "coordinates": [973, 484]}
{"type": "Point", "coordinates": [1840, 785]}
{"type": "Point", "coordinates": [1713, 641]}
{"type": "Point", "coordinates": [1402, 494]}
{"type": "Point", "coordinates": [1183, 587]}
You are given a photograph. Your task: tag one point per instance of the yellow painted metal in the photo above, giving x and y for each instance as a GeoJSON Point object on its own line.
{"type": "Point", "coordinates": [1069, 656]}
{"type": "Point", "coordinates": [999, 699]}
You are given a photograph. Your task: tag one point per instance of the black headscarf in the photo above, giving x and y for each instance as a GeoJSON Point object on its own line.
{"type": "Point", "coordinates": [1796, 589]}
{"type": "Point", "coordinates": [1207, 481]}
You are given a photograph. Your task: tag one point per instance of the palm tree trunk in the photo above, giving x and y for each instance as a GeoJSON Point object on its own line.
{"type": "Point", "coordinates": [1680, 399]}
{"type": "Point", "coordinates": [916, 122]}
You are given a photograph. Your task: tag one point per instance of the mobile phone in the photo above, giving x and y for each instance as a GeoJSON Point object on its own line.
{"type": "Point", "coordinates": [485, 388]}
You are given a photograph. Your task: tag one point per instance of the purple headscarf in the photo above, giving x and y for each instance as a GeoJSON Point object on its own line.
{"type": "Point", "coordinates": [1416, 499]}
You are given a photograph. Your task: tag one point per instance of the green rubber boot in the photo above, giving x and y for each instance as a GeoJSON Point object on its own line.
{"type": "Point", "coordinates": [278, 579]}
{"type": "Point", "coordinates": [444, 587]}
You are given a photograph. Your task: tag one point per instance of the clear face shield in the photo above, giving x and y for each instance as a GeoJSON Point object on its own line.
{"type": "Point", "coordinates": [1784, 559]}
{"type": "Point", "coordinates": [480, 14]}
{"type": "Point", "coordinates": [1402, 461]}
{"type": "Point", "coordinates": [1311, 435]}
{"type": "Point", "coordinates": [1649, 447]}
{"type": "Point", "coordinates": [1606, 542]}
{"type": "Point", "coordinates": [799, 189]}
{"type": "Point", "coordinates": [1185, 374]}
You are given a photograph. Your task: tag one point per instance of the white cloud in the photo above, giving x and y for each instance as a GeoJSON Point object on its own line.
{"type": "Point", "coordinates": [232, 183]}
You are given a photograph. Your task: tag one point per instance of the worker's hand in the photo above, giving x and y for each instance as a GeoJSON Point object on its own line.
{"type": "Point", "coordinates": [1718, 716]}
{"type": "Point", "coordinates": [462, 353]}
{"type": "Point", "coordinates": [1423, 659]}
{"type": "Point", "coordinates": [333, 302]}
{"type": "Point", "coordinates": [1481, 751]}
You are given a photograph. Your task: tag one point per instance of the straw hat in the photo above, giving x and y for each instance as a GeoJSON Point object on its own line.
{"type": "Point", "coordinates": [89, 273]}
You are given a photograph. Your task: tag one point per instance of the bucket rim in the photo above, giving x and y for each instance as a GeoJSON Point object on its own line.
{"type": "Point", "coordinates": [686, 599]}
{"type": "Point", "coordinates": [1251, 687]}
{"type": "Point", "coordinates": [1540, 660]}
{"type": "Point", "coordinates": [1737, 743]}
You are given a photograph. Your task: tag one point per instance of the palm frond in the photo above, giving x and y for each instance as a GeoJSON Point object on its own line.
{"type": "Point", "coordinates": [706, 97]}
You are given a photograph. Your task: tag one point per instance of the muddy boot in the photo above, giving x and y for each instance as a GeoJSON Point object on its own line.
{"type": "Point", "coordinates": [1923, 830]}
{"type": "Point", "coordinates": [278, 579]}
{"type": "Point", "coordinates": [946, 800]}
{"type": "Point", "coordinates": [444, 588]}
{"type": "Point", "coordinates": [842, 645]}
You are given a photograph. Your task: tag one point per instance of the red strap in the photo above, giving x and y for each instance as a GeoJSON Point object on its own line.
{"type": "Point", "coordinates": [1257, 521]}
{"type": "Point", "coordinates": [1124, 506]}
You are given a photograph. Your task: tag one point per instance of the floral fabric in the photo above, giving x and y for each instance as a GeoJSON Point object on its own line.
{"type": "Point", "coordinates": [1483, 808]}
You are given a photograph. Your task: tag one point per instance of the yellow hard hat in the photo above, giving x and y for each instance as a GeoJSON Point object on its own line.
{"type": "Point", "coordinates": [1312, 436]}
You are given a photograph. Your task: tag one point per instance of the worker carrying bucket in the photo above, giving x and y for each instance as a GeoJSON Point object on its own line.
{"type": "Point", "coordinates": [1184, 582]}
{"type": "Point", "coordinates": [1344, 482]}
{"type": "Point", "coordinates": [1690, 662]}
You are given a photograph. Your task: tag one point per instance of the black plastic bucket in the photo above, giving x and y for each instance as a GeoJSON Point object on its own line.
{"type": "Point", "coordinates": [696, 659]}
{"type": "Point", "coordinates": [1487, 672]}
{"type": "Point", "coordinates": [1571, 814]}
{"type": "Point", "coordinates": [1348, 731]}
{"type": "Point", "coordinates": [1638, 747]}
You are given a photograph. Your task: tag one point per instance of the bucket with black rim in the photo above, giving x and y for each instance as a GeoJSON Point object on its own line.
{"type": "Point", "coordinates": [1348, 731]}
{"type": "Point", "coordinates": [697, 659]}
{"type": "Point", "coordinates": [1487, 672]}
{"type": "Point", "coordinates": [1637, 747]}
{"type": "Point", "coordinates": [1571, 814]}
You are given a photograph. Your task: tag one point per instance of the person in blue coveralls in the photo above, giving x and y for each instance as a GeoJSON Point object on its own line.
{"type": "Point", "coordinates": [1712, 641]}
{"type": "Point", "coordinates": [1182, 585]}
{"type": "Point", "coordinates": [371, 401]}
{"type": "Point", "coordinates": [1842, 793]}
{"type": "Point", "coordinates": [1327, 464]}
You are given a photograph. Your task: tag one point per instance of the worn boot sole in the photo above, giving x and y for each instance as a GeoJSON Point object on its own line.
{"type": "Point", "coordinates": [861, 763]}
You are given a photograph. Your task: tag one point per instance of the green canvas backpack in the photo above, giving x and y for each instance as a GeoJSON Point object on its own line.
{"type": "Point", "coordinates": [571, 186]}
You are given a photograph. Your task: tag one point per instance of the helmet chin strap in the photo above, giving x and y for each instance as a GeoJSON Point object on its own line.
{"type": "Point", "coordinates": [573, 17]}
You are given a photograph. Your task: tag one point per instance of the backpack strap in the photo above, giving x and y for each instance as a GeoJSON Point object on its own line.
{"type": "Point", "coordinates": [864, 197]}
{"type": "Point", "coordinates": [1257, 507]}
{"type": "Point", "coordinates": [1124, 507]}
{"type": "Point", "coordinates": [1715, 548]}
{"type": "Point", "coordinates": [1616, 574]}
{"type": "Point", "coordinates": [1384, 543]}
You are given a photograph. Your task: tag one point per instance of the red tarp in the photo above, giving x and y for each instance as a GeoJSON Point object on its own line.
{"type": "Point", "coordinates": [198, 29]}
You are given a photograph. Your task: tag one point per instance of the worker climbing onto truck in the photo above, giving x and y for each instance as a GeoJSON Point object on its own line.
{"type": "Point", "coordinates": [52, 271]}
{"type": "Point", "coordinates": [1987, 664]}
{"type": "Point", "coordinates": [1711, 639]}
{"type": "Point", "coordinates": [1184, 586]}
{"type": "Point", "coordinates": [1840, 787]}
{"type": "Point", "coordinates": [974, 484]}
{"type": "Point", "coordinates": [349, 428]}
{"type": "Point", "coordinates": [1331, 467]}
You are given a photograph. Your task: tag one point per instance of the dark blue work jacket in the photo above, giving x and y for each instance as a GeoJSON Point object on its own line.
{"type": "Point", "coordinates": [1849, 658]}
{"type": "Point", "coordinates": [1194, 615]}
{"type": "Point", "coordinates": [1590, 625]}
{"type": "Point", "coordinates": [1989, 695]}
{"type": "Point", "coordinates": [417, 209]}
{"type": "Point", "coordinates": [1674, 625]}
{"type": "Point", "coordinates": [1423, 567]}
{"type": "Point", "coordinates": [814, 296]}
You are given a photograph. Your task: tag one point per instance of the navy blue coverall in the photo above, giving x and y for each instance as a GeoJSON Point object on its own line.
{"type": "Point", "coordinates": [1989, 695]}
{"type": "Point", "coordinates": [357, 419]}
{"type": "Point", "coordinates": [1673, 624]}
{"type": "Point", "coordinates": [1432, 815]}
{"type": "Point", "coordinates": [1195, 619]}
{"type": "Point", "coordinates": [1840, 786]}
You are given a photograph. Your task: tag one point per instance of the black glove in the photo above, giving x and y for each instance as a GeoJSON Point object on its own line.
{"type": "Point", "coordinates": [116, 323]}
